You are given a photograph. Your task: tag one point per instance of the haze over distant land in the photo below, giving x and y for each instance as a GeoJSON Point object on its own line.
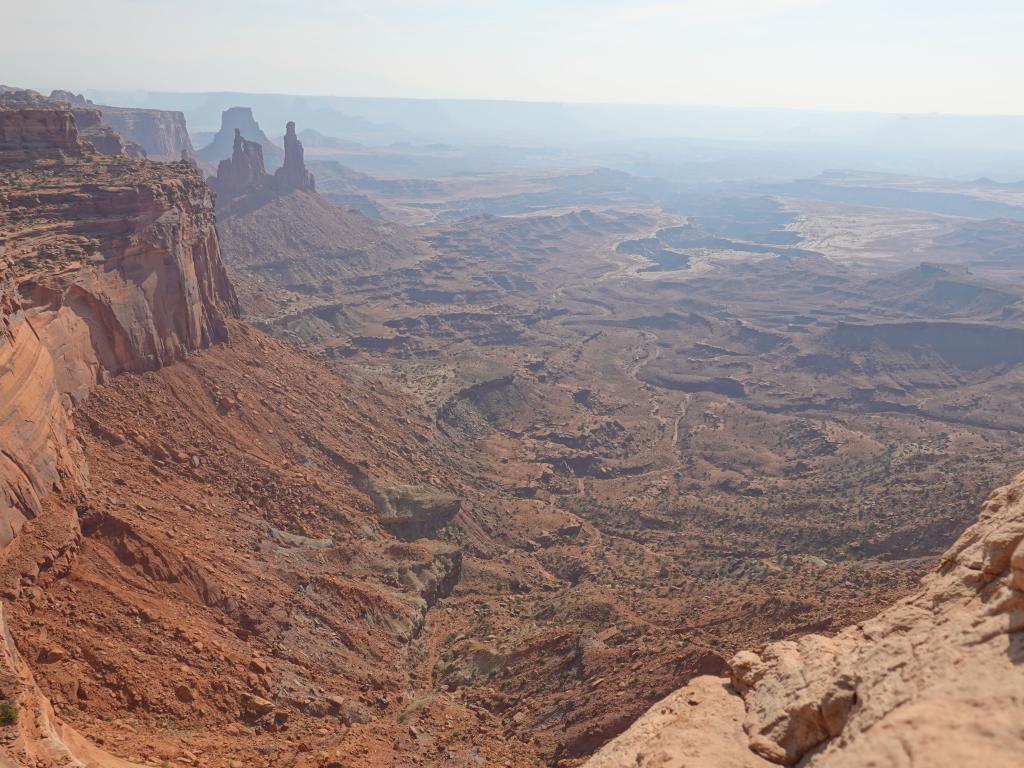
{"type": "Point", "coordinates": [790, 87]}
{"type": "Point", "coordinates": [680, 142]}
{"type": "Point", "coordinates": [860, 55]}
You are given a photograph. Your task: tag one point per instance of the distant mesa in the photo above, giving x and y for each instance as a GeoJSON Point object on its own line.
{"type": "Point", "coordinates": [240, 120]}
{"type": "Point", "coordinates": [245, 171]}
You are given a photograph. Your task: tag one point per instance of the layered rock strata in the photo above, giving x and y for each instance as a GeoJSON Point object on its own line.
{"type": "Point", "coordinates": [161, 134]}
{"type": "Point", "coordinates": [32, 129]}
{"type": "Point", "coordinates": [110, 264]}
{"type": "Point", "coordinates": [936, 680]}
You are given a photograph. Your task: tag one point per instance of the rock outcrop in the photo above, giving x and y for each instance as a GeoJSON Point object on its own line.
{"type": "Point", "coordinates": [936, 680]}
{"type": "Point", "coordinates": [239, 120]}
{"type": "Point", "coordinates": [412, 512]}
{"type": "Point", "coordinates": [103, 138]}
{"type": "Point", "coordinates": [245, 172]}
{"type": "Point", "coordinates": [159, 134]}
{"type": "Point", "coordinates": [294, 174]}
{"type": "Point", "coordinates": [31, 128]}
{"type": "Point", "coordinates": [108, 265]}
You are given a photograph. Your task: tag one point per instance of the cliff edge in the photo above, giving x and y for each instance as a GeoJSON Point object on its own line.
{"type": "Point", "coordinates": [935, 680]}
{"type": "Point", "coordinates": [107, 264]}
{"type": "Point", "coordinates": [160, 133]}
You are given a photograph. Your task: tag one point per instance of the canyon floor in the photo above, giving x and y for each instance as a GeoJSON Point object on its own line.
{"type": "Point", "coordinates": [701, 432]}
{"type": "Point", "coordinates": [477, 479]}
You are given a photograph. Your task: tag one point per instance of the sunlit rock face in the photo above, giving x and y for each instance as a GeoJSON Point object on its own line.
{"type": "Point", "coordinates": [110, 264]}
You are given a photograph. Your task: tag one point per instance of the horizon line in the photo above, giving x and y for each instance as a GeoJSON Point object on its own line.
{"type": "Point", "coordinates": [563, 102]}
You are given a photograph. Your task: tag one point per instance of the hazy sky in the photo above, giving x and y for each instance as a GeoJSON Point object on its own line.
{"type": "Point", "coordinates": [879, 55]}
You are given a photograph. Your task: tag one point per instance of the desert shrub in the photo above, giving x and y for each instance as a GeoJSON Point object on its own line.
{"type": "Point", "coordinates": [8, 713]}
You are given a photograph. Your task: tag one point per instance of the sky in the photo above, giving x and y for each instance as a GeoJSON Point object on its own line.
{"type": "Point", "coordinates": [953, 56]}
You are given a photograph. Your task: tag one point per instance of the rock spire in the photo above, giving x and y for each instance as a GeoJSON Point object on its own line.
{"type": "Point", "coordinates": [245, 172]}
{"type": "Point", "coordinates": [293, 174]}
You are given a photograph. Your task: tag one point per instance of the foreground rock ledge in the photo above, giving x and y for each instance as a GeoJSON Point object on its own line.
{"type": "Point", "coordinates": [935, 680]}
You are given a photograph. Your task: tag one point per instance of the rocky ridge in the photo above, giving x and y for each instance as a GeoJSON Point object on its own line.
{"type": "Point", "coordinates": [935, 680]}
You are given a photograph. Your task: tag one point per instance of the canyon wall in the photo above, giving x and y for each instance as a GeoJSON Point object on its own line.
{"type": "Point", "coordinates": [160, 133]}
{"type": "Point", "coordinates": [936, 680]}
{"type": "Point", "coordinates": [101, 136]}
{"type": "Point", "coordinates": [110, 264]}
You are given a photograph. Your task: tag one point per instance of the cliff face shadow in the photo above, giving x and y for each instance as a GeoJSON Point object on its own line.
{"type": "Point", "coordinates": [1015, 643]}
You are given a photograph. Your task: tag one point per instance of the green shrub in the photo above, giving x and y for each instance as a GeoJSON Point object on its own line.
{"type": "Point", "coordinates": [8, 713]}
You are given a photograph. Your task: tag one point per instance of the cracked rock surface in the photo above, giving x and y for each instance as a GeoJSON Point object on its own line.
{"type": "Point", "coordinates": [935, 680]}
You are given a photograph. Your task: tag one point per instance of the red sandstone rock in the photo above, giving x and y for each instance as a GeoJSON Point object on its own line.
{"type": "Point", "coordinates": [112, 265]}
{"type": "Point", "coordinates": [244, 172]}
{"type": "Point", "coordinates": [933, 681]}
{"type": "Point", "coordinates": [161, 134]}
{"type": "Point", "coordinates": [32, 128]}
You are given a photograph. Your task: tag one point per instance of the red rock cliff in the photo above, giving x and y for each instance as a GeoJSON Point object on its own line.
{"type": "Point", "coordinates": [32, 129]}
{"type": "Point", "coordinates": [109, 264]}
{"type": "Point", "coordinates": [162, 134]}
